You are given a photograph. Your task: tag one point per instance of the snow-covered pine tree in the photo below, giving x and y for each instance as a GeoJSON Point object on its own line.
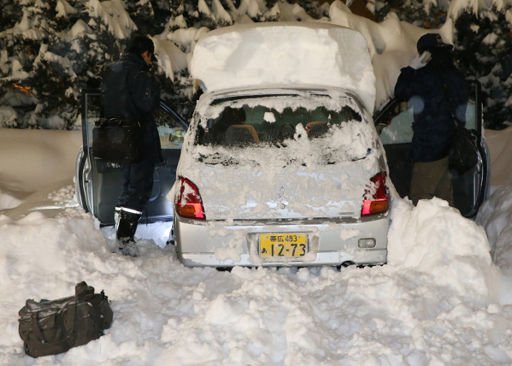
{"type": "Point", "coordinates": [51, 50]}
{"type": "Point", "coordinates": [484, 49]}
{"type": "Point", "coordinates": [51, 53]}
{"type": "Point", "coordinates": [22, 44]}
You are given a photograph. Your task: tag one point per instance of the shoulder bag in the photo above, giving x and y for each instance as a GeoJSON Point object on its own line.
{"type": "Point", "coordinates": [463, 154]}
{"type": "Point", "coordinates": [117, 140]}
{"type": "Point", "coordinates": [49, 327]}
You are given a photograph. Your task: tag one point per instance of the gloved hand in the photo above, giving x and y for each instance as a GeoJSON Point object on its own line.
{"type": "Point", "coordinates": [421, 60]}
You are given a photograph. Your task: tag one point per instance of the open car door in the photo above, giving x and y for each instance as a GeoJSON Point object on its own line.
{"type": "Point", "coordinates": [394, 124]}
{"type": "Point", "coordinates": [98, 182]}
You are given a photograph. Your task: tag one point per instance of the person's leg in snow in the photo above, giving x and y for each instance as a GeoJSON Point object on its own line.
{"type": "Point", "coordinates": [137, 187]}
{"type": "Point", "coordinates": [431, 179]}
{"type": "Point", "coordinates": [126, 221]}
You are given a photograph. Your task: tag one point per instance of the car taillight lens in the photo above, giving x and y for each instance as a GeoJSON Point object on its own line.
{"type": "Point", "coordinates": [188, 202]}
{"type": "Point", "coordinates": [376, 200]}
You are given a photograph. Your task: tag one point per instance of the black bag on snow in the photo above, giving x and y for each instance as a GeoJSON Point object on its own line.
{"type": "Point", "coordinates": [49, 327]}
{"type": "Point", "coordinates": [117, 140]}
{"type": "Point", "coordinates": [463, 153]}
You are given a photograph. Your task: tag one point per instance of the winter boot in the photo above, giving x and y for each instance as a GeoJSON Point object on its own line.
{"type": "Point", "coordinates": [126, 225]}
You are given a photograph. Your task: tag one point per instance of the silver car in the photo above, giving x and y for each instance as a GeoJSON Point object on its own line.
{"type": "Point", "coordinates": [281, 177]}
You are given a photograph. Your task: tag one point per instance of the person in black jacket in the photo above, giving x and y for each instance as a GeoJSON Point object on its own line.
{"type": "Point", "coordinates": [131, 92]}
{"type": "Point", "coordinates": [438, 94]}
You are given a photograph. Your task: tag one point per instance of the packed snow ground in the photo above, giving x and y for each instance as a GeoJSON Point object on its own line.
{"type": "Point", "coordinates": [439, 300]}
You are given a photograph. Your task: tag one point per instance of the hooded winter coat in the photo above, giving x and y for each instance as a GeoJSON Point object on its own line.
{"type": "Point", "coordinates": [438, 94]}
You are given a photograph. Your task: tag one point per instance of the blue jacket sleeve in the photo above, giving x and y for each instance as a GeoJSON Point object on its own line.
{"type": "Point", "coordinates": [404, 85]}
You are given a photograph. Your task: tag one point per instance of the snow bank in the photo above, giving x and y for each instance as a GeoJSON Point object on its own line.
{"type": "Point", "coordinates": [31, 160]}
{"type": "Point", "coordinates": [8, 201]}
{"type": "Point", "coordinates": [496, 215]}
{"type": "Point", "coordinates": [401, 313]}
{"type": "Point", "coordinates": [434, 302]}
{"type": "Point", "coordinates": [434, 239]}
{"type": "Point", "coordinates": [285, 54]}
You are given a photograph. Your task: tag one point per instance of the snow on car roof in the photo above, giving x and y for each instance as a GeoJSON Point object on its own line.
{"type": "Point", "coordinates": [262, 54]}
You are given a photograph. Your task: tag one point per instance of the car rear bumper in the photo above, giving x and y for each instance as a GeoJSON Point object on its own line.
{"type": "Point", "coordinates": [226, 244]}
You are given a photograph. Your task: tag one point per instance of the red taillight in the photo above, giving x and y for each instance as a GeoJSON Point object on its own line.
{"type": "Point", "coordinates": [188, 202]}
{"type": "Point", "coordinates": [376, 199]}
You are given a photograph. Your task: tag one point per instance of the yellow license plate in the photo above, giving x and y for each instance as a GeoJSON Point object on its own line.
{"type": "Point", "coordinates": [276, 245]}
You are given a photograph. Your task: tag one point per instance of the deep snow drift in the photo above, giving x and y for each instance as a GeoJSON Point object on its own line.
{"type": "Point", "coordinates": [439, 300]}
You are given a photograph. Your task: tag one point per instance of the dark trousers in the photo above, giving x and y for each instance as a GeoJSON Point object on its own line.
{"type": "Point", "coordinates": [137, 184]}
{"type": "Point", "coordinates": [431, 179]}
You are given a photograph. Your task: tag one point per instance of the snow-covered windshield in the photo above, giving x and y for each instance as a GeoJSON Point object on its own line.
{"type": "Point", "coordinates": [320, 127]}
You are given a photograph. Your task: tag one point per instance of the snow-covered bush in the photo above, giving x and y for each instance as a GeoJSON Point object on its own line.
{"type": "Point", "coordinates": [483, 44]}
{"type": "Point", "coordinates": [51, 50]}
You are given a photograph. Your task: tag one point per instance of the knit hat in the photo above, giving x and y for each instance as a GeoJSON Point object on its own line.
{"type": "Point", "coordinates": [431, 41]}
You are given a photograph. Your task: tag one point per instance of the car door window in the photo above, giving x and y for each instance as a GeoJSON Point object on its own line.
{"type": "Point", "coordinates": [395, 126]}
{"type": "Point", "coordinates": [471, 115]}
{"type": "Point", "coordinates": [170, 130]}
{"type": "Point", "coordinates": [399, 128]}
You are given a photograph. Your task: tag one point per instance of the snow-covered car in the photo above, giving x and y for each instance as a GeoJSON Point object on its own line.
{"type": "Point", "coordinates": [97, 182]}
{"type": "Point", "coordinates": [299, 177]}
{"type": "Point", "coordinates": [394, 123]}
{"type": "Point", "coordinates": [280, 165]}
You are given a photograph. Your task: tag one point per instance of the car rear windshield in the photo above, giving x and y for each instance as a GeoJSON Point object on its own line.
{"type": "Point", "coordinates": [306, 129]}
{"type": "Point", "coordinates": [242, 123]}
